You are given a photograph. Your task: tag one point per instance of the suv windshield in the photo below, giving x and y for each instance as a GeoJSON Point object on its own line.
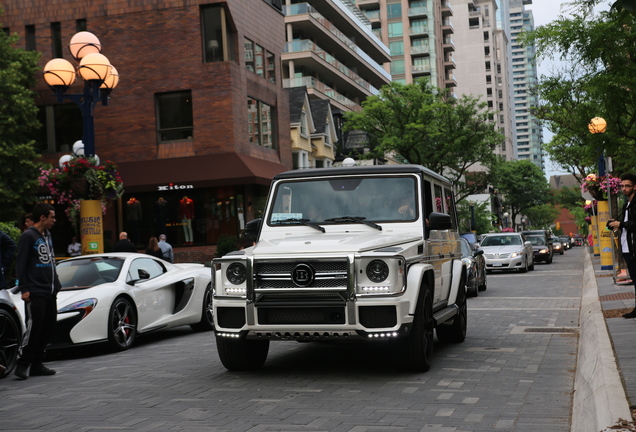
{"type": "Point", "coordinates": [345, 200]}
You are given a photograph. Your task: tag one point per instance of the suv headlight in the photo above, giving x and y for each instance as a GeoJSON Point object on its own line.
{"type": "Point", "coordinates": [233, 279]}
{"type": "Point", "coordinates": [380, 275]}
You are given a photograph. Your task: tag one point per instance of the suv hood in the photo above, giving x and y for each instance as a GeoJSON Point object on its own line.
{"type": "Point", "coordinates": [332, 243]}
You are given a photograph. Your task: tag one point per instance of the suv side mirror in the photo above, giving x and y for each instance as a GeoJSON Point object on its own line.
{"type": "Point", "coordinates": [253, 227]}
{"type": "Point", "coordinates": [439, 221]}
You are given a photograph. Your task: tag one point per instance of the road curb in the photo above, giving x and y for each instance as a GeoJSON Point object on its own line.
{"type": "Point", "coordinates": [599, 396]}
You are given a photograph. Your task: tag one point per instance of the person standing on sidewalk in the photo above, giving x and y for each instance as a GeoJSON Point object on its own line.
{"type": "Point", "coordinates": [626, 222]}
{"type": "Point", "coordinates": [39, 285]}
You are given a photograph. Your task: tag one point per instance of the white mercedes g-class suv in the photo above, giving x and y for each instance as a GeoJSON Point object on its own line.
{"type": "Point", "coordinates": [348, 253]}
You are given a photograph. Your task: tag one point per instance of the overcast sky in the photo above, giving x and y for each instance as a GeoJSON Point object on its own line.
{"type": "Point", "coordinates": [545, 11]}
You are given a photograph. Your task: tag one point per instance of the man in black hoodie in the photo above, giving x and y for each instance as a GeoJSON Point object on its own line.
{"type": "Point", "coordinates": [39, 285]}
{"type": "Point", "coordinates": [626, 222]}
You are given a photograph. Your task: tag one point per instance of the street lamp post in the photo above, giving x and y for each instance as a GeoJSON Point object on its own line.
{"type": "Point", "coordinates": [598, 125]}
{"type": "Point", "coordinates": [523, 224]}
{"type": "Point", "coordinates": [471, 205]}
{"type": "Point", "coordinates": [100, 78]}
{"type": "Point", "coordinates": [505, 215]}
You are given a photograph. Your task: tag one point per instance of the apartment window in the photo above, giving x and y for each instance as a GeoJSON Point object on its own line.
{"type": "Point", "coordinates": [473, 22]}
{"type": "Point", "coordinates": [394, 10]}
{"type": "Point", "coordinates": [489, 92]}
{"type": "Point", "coordinates": [486, 35]}
{"type": "Point", "coordinates": [30, 37]}
{"type": "Point", "coordinates": [397, 67]}
{"type": "Point", "coordinates": [270, 60]}
{"type": "Point", "coordinates": [487, 66]}
{"type": "Point", "coordinates": [80, 25]}
{"type": "Point", "coordinates": [259, 60]}
{"type": "Point", "coordinates": [249, 55]}
{"type": "Point", "coordinates": [61, 126]}
{"type": "Point", "coordinates": [419, 25]}
{"type": "Point", "coordinates": [487, 50]}
{"type": "Point", "coordinates": [217, 36]}
{"type": "Point", "coordinates": [260, 123]}
{"type": "Point", "coordinates": [396, 48]}
{"type": "Point", "coordinates": [174, 116]}
{"type": "Point", "coordinates": [303, 123]}
{"type": "Point", "coordinates": [488, 79]}
{"type": "Point", "coordinates": [395, 29]}
{"type": "Point", "coordinates": [56, 39]}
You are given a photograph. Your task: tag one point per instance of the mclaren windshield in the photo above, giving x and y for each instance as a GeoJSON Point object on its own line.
{"type": "Point", "coordinates": [362, 200]}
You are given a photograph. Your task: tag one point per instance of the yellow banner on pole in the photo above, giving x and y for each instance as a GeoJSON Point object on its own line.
{"type": "Point", "coordinates": [91, 228]}
{"type": "Point", "coordinates": [607, 261]}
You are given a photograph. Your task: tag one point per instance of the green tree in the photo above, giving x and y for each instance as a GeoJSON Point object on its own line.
{"type": "Point", "coordinates": [568, 197]}
{"type": "Point", "coordinates": [541, 216]}
{"type": "Point", "coordinates": [522, 185]}
{"type": "Point", "coordinates": [483, 217]}
{"type": "Point", "coordinates": [600, 49]}
{"type": "Point", "coordinates": [427, 126]}
{"type": "Point", "coordinates": [18, 120]}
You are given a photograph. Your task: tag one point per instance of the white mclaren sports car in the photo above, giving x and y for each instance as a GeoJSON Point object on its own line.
{"type": "Point", "coordinates": [115, 297]}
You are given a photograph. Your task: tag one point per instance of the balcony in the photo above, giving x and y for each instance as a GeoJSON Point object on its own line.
{"type": "Point", "coordinates": [420, 50]}
{"type": "Point", "coordinates": [309, 46]}
{"type": "Point", "coordinates": [419, 30]}
{"type": "Point", "coordinates": [421, 11]}
{"type": "Point", "coordinates": [313, 85]}
{"type": "Point", "coordinates": [451, 81]}
{"type": "Point", "coordinates": [421, 69]}
{"type": "Point", "coordinates": [449, 63]}
{"type": "Point", "coordinates": [372, 15]}
{"type": "Point", "coordinates": [447, 27]}
{"type": "Point", "coordinates": [448, 44]}
{"type": "Point", "coordinates": [322, 23]}
{"type": "Point", "coordinates": [447, 9]}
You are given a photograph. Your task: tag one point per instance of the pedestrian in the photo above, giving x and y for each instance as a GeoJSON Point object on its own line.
{"type": "Point", "coordinates": [124, 245]}
{"type": "Point", "coordinates": [626, 222]}
{"type": "Point", "coordinates": [28, 221]}
{"type": "Point", "coordinates": [166, 248]}
{"type": "Point", "coordinates": [153, 248]}
{"type": "Point", "coordinates": [75, 248]}
{"type": "Point", "coordinates": [7, 250]}
{"type": "Point", "coordinates": [38, 284]}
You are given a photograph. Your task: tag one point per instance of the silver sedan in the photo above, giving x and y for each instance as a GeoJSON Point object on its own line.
{"type": "Point", "coordinates": [507, 251]}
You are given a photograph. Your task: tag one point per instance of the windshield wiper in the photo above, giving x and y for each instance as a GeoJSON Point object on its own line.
{"type": "Point", "coordinates": [358, 219]}
{"type": "Point", "coordinates": [305, 222]}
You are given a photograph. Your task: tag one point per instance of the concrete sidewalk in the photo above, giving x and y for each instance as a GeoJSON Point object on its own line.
{"type": "Point", "coordinates": [622, 334]}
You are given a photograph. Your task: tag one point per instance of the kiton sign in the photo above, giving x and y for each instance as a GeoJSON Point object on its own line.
{"type": "Point", "coordinates": [173, 186]}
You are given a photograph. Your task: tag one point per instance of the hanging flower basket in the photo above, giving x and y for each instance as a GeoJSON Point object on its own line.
{"type": "Point", "coordinates": [82, 178]}
{"type": "Point", "coordinates": [597, 186]}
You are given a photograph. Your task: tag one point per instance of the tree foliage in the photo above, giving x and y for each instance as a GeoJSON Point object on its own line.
{"type": "Point", "coordinates": [483, 217]}
{"type": "Point", "coordinates": [427, 126]}
{"type": "Point", "coordinates": [522, 185]}
{"type": "Point", "coordinates": [541, 216]}
{"type": "Point", "coordinates": [18, 119]}
{"type": "Point", "coordinates": [600, 51]}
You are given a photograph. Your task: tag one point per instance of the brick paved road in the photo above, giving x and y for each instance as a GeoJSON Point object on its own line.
{"type": "Point", "coordinates": [509, 375]}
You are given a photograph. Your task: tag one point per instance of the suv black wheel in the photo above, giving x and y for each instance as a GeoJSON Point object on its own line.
{"type": "Point", "coordinates": [242, 354]}
{"type": "Point", "coordinates": [455, 332]}
{"type": "Point", "coordinates": [414, 352]}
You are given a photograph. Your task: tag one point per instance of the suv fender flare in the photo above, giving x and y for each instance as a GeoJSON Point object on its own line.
{"type": "Point", "coordinates": [418, 274]}
{"type": "Point", "coordinates": [459, 274]}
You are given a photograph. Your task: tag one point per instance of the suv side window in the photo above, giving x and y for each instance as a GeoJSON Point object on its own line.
{"type": "Point", "coordinates": [450, 206]}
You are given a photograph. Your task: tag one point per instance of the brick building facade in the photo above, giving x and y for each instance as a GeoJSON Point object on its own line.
{"type": "Point", "coordinates": [199, 110]}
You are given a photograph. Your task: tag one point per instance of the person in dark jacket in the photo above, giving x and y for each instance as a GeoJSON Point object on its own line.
{"type": "Point", "coordinates": [124, 245]}
{"type": "Point", "coordinates": [153, 248]}
{"type": "Point", "coordinates": [626, 222]}
{"type": "Point", "coordinates": [7, 250]}
{"type": "Point", "coordinates": [39, 285]}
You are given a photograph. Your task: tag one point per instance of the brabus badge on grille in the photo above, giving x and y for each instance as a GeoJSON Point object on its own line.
{"type": "Point", "coordinates": [303, 275]}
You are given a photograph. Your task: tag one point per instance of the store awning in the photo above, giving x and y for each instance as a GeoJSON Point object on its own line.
{"type": "Point", "coordinates": [223, 169]}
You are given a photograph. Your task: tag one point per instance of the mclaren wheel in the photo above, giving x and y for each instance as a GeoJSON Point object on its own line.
{"type": "Point", "coordinates": [122, 324]}
{"type": "Point", "coordinates": [207, 316]}
{"type": "Point", "coordinates": [10, 337]}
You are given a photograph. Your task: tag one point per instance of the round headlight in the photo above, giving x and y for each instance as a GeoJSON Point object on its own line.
{"type": "Point", "coordinates": [236, 273]}
{"type": "Point", "coordinates": [377, 271]}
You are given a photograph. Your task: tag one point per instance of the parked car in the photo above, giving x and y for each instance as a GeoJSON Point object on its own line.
{"type": "Point", "coordinates": [11, 330]}
{"type": "Point", "coordinates": [472, 239]}
{"type": "Point", "coordinates": [475, 269]}
{"type": "Point", "coordinates": [115, 297]}
{"type": "Point", "coordinates": [540, 249]}
{"type": "Point", "coordinates": [507, 251]}
{"type": "Point", "coordinates": [557, 246]}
